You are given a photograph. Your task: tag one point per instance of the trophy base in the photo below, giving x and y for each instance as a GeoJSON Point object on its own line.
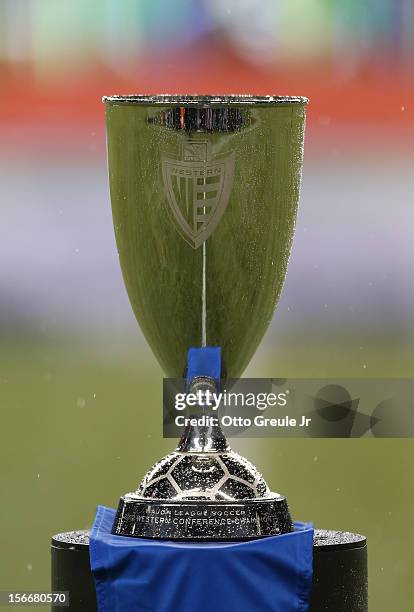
{"type": "Point", "coordinates": [201, 519]}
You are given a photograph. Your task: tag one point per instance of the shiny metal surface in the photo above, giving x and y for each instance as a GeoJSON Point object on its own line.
{"type": "Point", "coordinates": [214, 476]}
{"type": "Point", "coordinates": [207, 438]}
{"type": "Point", "coordinates": [203, 490]}
{"type": "Point", "coordinates": [204, 193]}
{"type": "Point", "coordinates": [203, 99]}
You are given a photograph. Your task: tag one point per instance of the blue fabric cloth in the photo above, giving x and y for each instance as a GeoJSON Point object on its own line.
{"type": "Point", "coordinates": [272, 574]}
{"type": "Point", "coordinates": [204, 361]}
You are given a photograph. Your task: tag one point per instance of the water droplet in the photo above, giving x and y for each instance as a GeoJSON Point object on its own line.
{"type": "Point", "coordinates": [29, 567]}
{"type": "Point", "coordinates": [81, 402]}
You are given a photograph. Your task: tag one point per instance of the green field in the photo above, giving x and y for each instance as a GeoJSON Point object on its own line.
{"type": "Point", "coordinates": [71, 439]}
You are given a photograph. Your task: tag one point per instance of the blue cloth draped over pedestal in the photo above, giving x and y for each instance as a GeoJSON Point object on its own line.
{"type": "Point", "coordinates": [272, 574]}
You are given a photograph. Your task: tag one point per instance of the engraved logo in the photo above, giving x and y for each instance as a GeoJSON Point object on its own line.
{"type": "Point", "coordinates": [198, 189]}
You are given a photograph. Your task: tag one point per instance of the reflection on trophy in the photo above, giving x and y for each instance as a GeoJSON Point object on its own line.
{"type": "Point", "coordinates": [204, 195]}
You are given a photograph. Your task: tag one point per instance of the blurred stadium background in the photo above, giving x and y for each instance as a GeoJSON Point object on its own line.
{"type": "Point", "coordinates": [75, 369]}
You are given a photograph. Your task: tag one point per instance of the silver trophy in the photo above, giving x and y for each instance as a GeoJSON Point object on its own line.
{"type": "Point", "coordinates": [204, 193]}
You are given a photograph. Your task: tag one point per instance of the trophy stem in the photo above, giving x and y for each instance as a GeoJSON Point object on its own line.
{"type": "Point", "coordinates": [205, 435]}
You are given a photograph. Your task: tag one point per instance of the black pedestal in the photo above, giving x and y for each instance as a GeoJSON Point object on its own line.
{"type": "Point", "coordinates": [339, 572]}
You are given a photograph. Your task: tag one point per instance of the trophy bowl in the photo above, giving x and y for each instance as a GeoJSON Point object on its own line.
{"type": "Point", "coordinates": [204, 193]}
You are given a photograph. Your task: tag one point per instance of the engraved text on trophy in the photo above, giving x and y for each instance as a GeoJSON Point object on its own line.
{"type": "Point", "coordinates": [198, 189]}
